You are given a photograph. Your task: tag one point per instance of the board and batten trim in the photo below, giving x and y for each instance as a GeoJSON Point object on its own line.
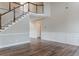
{"type": "Point", "coordinates": [62, 37]}
{"type": "Point", "coordinates": [13, 39]}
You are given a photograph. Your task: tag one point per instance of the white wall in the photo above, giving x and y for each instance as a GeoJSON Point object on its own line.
{"type": "Point", "coordinates": [16, 34]}
{"type": "Point", "coordinates": [63, 24]}
{"type": "Point", "coordinates": [12, 39]}
{"type": "Point", "coordinates": [47, 8]}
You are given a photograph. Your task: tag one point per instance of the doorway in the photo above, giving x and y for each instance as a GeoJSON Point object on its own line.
{"type": "Point", "coordinates": [36, 29]}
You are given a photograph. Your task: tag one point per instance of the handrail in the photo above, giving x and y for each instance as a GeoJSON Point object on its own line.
{"type": "Point", "coordinates": [8, 12]}
{"type": "Point", "coordinates": [22, 5]}
{"type": "Point", "coordinates": [16, 3]}
{"type": "Point", "coordinates": [18, 7]}
{"type": "Point", "coordinates": [34, 4]}
{"type": "Point", "coordinates": [13, 9]}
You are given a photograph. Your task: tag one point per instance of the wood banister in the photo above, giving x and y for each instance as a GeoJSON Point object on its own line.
{"type": "Point", "coordinates": [22, 5]}
{"type": "Point", "coordinates": [17, 3]}
{"type": "Point", "coordinates": [14, 8]}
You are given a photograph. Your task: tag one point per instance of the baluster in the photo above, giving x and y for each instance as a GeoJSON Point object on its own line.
{"type": "Point", "coordinates": [23, 9]}
{"type": "Point", "coordinates": [14, 15]}
{"type": "Point", "coordinates": [0, 22]}
{"type": "Point", "coordinates": [42, 8]}
{"type": "Point", "coordinates": [28, 7]}
{"type": "Point", "coordinates": [36, 9]}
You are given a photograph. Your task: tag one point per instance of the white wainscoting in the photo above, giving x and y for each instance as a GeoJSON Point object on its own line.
{"type": "Point", "coordinates": [69, 38]}
{"type": "Point", "coordinates": [7, 40]}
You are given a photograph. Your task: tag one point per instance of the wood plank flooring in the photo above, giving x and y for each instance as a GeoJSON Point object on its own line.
{"type": "Point", "coordinates": [41, 48]}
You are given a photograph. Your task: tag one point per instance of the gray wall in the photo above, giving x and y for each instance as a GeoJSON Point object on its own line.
{"type": "Point", "coordinates": [64, 17]}
{"type": "Point", "coordinates": [63, 22]}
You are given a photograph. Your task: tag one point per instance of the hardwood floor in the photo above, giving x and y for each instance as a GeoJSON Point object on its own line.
{"type": "Point", "coordinates": [41, 48]}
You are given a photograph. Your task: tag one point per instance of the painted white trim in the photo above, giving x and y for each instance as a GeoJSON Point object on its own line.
{"type": "Point", "coordinates": [13, 33]}
{"type": "Point", "coordinates": [14, 44]}
{"type": "Point", "coordinates": [62, 37]}
{"type": "Point", "coordinates": [14, 36]}
{"type": "Point", "coordinates": [62, 42]}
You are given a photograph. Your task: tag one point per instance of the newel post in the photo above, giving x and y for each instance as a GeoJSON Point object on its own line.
{"type": "Point", "coordinates": [9, 6]}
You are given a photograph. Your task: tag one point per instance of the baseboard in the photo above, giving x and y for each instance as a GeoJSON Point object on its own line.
{"type": "Point", "coordinates": [62, 42]}
{"type": "Point", "coordinates": [14, 44]}
{"type": "Point", "coordinates": [62, 37]}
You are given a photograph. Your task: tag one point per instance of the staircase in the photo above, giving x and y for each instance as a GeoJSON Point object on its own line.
{"type": "Point", "coordinates": [16, 13]}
